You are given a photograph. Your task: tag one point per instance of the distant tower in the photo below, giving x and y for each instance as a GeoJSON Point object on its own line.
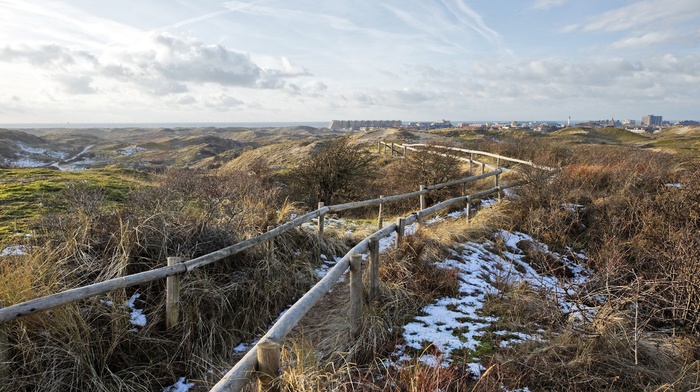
{"type": "Point", "coordinates": [568, 122]}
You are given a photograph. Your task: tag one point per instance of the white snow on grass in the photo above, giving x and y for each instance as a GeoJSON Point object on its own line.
{"type": "Point", "coordinates": [42, 151]}
{"type": "Point", "coordinates": [138, 319]}
{"type": "Point", "coordinates": [323, 269]}
{"type": "Point", "coordinates": [24, 162]}
{"type": "Point", "coordinates": [180, 386]}
{"type": "Point", "coordinates": [131, 150]}
{"type": "Point", "coordinates": [243, 347]}
{"type": "Point", "coordinates": [14, 250]}
{"type": "Point", "coordinates": [451, 324]}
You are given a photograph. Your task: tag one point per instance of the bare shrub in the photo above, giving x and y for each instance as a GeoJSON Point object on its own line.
{"type": "Point", "coordinates": [336, 171]}
{"type": "Point", "coordinates": [425, 167]}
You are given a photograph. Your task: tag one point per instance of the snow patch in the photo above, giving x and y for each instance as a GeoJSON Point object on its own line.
{"type": "Point", "coordinates": [24, 162]}
{"type": "Point", "coordinates": [138, 319]}
{"type": "Point", "coordinates": [180, 386]}
{"type": "Point", "coordinates": [42, 151]}
{"type": "Point", "coordinates": [451, 324]}
{"type": "Point", "coordinates": [241, 348]}
{"type": "Point", "coordinates": [15, 250]}
{"type": "Point", "coordinates": [131, 150]}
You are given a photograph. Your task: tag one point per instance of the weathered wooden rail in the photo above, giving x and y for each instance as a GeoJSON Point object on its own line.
{"type": "Point", "coordinates": [51, 301]}
{"type": "Point", "coordinates": [394, 148]}
{"type": "Point", "coordinates": [236, 378]}
{"type": "Point", "coordinates": [255, 358]}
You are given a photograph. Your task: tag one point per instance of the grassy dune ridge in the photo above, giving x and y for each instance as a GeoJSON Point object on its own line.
{"type": "Point", "coordinates": [628, 202]}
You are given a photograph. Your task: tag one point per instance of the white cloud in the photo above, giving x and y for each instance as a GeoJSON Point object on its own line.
{"type": "Point", "coordinates": [547, 4]}
{"type": "Point", "coordinates": [309, 60]}
{"type": "Point", "coordinates": [569, 28]}
{"type": "Point", "coordinates": [649, 14]}
{"type": "Point", "coordinates": [643, 40]}
{"type": "Point", "coordinates": [222, 102]}
{"type": "Point", "coordinates": [163, 64]}
{"type": "Point", "coordinates": [46, 55]}
{"type": "Point", "coordinates": [76, 84]}
{"type": "Point", "coordinates": [59, 22]}
{"type": "Point", "coordinates": [474, 20]}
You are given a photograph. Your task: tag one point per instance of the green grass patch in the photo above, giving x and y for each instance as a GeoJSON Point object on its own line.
{"type": "Point", "coordinates": [481, 353]}
{"type": "Point", "coordinates": [614, 136]}
{"type": "Point", "coordinates": [26, 194]}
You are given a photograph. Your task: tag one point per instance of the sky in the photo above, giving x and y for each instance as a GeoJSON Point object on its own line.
{"type": "Point", "coordinates": [86, 61]}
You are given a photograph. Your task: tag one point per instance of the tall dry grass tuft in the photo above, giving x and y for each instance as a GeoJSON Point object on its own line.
{"type": "Point", "coordinates": [416, 376]}
{"type": "Point", "coordinates": [635, 214]}
{"type": "Point", "coordinates": [482, 223]}
{"type": "Point", "coordinates": [607, 356]}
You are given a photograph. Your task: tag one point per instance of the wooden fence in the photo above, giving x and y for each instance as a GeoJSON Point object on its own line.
{"type": "Point", "coordinates": [402, 149]}
{"type": "Point", "coordinates": [269, 345]}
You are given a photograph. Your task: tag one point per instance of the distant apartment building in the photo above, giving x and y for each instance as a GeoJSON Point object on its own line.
{"type": "Point", "coordinates": [441, 124]}
{"type": "Point", "coordinates": [419, 126]}
{"type": "Point", "coordinates": [652, 120]}
{"type": "Point", "coordinates": [360, 124]}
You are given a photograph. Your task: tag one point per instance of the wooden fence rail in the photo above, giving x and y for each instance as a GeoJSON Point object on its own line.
{"type": "Point", "coordinates": [470, 160]}
{"type": "Point", "coordinates": [499, 158]}
{"type": "Point", "coordinates": [240, 374]}
{"type": "Point", "coordinates": [488, 154]}
{"type": "Point", "coordinates": [51, 301]}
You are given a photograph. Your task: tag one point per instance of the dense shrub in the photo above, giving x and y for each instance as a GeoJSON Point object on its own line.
{"type": "Point", "coordinates": [336, 171]}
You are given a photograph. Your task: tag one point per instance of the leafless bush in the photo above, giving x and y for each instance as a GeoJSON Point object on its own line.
{"type": "Point", "coordinates": [336, 171]}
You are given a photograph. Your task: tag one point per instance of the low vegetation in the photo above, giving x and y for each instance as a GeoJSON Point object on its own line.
{"type": "Point", "coordinates": [626, 210]}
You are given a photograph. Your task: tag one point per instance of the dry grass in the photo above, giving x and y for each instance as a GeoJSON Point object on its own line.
{"type": "Point", "coordinates": [92, 345]}
{"type": "Point", "coordinates": [640, 237]}
{"type": "Point", "coordinates": [608, 357]}
{"type": "Point", "coordinates": [333, 358]}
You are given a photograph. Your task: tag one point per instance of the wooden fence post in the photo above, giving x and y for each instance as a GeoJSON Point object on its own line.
{"type": "Point", "coordinates": [469, 207]}
{"type": "Point", "coordinates": [269, 353]}
{"type": "Point", "coordinates": [497, 186]}
{"type": "Point", "coordinates": [270, 245]}
{"type": "Point", "coordinates": [373, 269]}
{"type": "Point", "coordinates": [420, 219]}
{"type": "Point", "coordinates": [404, 151]}
{"type": "Point", "coordinates": [392, 149]}
{"type": "Point", "coordinates": [483, 167]}
{"type": "Point", "coordinates": [321, 221]}
{"type": "Point", "coordinates": [172, 295]}
{"type": "Point", "coordinates": [400, 230]}
{"type": "Point", "coordinates": [380, 219]}
{"type": "Point", "coordinates": [422, 198]}
{"type": "Point", "coordinates": [4, 352]}
{"type": "Point", "coordinates": [379, 147]}
{"type": "Point", "coordinates": [355, 294]}
{"type": "Point", "coordinates": [471, 160]}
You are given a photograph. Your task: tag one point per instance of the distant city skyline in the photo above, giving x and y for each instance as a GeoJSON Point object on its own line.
{"type": "Point", "coordinates": [175, 61]}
